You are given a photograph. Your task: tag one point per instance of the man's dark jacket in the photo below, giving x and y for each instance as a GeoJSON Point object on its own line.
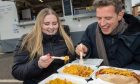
{"type": "Point", "coordinates": [123, 50]}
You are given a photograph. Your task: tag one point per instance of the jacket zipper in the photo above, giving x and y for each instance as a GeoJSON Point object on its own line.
{"type": "Point", "coordinates": [112, 40]}
{"type": "Point", "coordinates": [51, 48]}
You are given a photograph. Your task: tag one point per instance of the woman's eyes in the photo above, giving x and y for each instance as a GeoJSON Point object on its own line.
{"type": "Point", "coordinates": [47, 23]}
{"type": "Point", "coordinates": [54, 23]}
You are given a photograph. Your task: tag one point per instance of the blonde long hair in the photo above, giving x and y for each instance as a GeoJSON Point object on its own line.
{"type": "Point", "coordinates": [32, 42]}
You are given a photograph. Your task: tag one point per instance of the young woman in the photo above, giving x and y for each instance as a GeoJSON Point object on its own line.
{"type": "Point", "coordinates": [32, 60]}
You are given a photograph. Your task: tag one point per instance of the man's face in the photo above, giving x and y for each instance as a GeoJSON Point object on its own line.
{"type": "Point", "coordinates": [108, 19]}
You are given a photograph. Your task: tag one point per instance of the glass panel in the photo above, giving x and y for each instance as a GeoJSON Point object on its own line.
{"type": "Point", "coordinates": [32, 7]}
{"type": "Point", "coordinates": [82, 6]}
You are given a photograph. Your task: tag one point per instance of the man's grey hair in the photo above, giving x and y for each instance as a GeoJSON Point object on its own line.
{"type": "Point", "coordinates": [102, 3]}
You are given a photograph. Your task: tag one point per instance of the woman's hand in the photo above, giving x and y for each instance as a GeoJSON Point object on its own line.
{"type": "Point", "coordinates": [44, 61]}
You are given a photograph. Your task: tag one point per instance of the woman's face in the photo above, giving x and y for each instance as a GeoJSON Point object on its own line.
{"type": "Point", "coordinates": [50, 25]}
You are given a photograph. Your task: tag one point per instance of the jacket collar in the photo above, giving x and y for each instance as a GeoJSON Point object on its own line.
{"type": "Point", "coordinates": [133, 24]}
{"type": "Point", "coordinates": [51, 38]}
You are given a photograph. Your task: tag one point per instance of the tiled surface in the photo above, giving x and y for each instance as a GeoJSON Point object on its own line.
{"type": "Point", "coordinates": [6, 61]}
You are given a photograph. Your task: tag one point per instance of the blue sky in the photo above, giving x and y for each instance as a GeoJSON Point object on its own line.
{"type": "Point", "coordinates": [134, 2]}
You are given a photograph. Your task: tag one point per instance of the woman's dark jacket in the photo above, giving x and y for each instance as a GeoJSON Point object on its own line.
{"type": "Point", "coordinates": [123, 50]}
{"type": "Point", "coordinates": [28, 71]}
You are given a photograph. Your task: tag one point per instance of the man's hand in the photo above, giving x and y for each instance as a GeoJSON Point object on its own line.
{"type": "Point", "coordinates": [81, 48]}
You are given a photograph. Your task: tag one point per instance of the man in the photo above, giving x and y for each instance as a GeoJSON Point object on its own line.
{"type": "Point", "coordinates": [115, 37]}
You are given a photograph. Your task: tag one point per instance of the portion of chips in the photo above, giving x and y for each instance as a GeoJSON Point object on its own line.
{"type": "Point", "coordinates": [59, 81]}
{"type": "Point", "coordinates": [79, 70]}
{"type": "Point", "coordinates": [66, 59]}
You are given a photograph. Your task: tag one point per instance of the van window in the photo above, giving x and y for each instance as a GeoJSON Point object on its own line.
{"type": "Point", "coordinates": [82, 6]}
{"type": "Point", "coordinates": [28, 9]}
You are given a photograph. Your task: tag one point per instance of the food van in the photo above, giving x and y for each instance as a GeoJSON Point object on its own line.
{"type": "Point", "coordinates": [17, 17]}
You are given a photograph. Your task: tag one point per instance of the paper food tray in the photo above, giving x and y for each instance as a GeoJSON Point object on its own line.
{"type": "Point", "coordinates": [95, 62]}
{"type": "Point", "coordinates": [136, 71]}
{"type": "Point", "coordinates": [98, 81]}
{"type": "Point", "coordinates": [94, 68]}
{"type": "Point", "coordinates": [101, 67]}
{"type": "Point", "coordinates": [74, 80]}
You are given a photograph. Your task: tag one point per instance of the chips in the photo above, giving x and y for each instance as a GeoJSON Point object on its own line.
{"type": "Point", "coordinates": [78, 70]}
{"type": "Point", "coordinates": [59, 81]}
{"type": "Point", "coordinates": [66, 59]}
